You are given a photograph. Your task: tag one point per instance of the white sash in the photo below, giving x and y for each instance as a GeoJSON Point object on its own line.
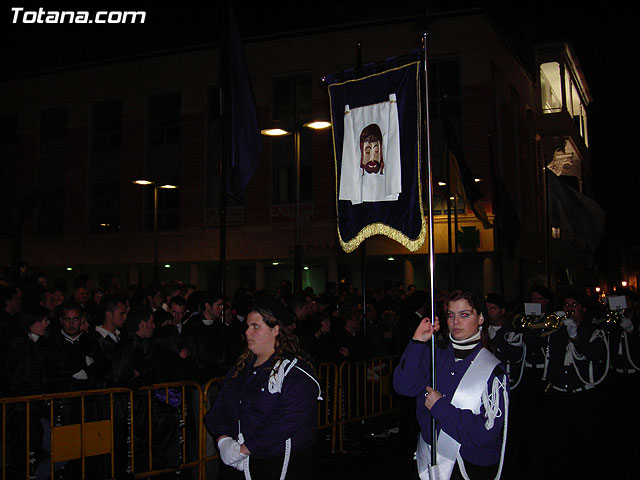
{"type": "Point", "coordinates": [468, 396]}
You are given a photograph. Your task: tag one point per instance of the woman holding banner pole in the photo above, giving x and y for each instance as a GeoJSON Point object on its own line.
{"type": "Point", "coordinates": [471, 402]}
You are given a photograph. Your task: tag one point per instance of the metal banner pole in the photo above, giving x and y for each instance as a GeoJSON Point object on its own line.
{"type": "Point", "coordinates": [431, 242]}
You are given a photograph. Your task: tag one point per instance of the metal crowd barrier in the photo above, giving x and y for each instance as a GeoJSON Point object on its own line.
{"type": "Point", "coordinates": [74, 426]}
{"type": "Point", "coordinates": [160, 428]}
{"type": "Point", "coordinates": [366, 391]}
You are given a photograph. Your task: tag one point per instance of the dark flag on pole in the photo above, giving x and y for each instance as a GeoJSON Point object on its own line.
{"type": "Point", "coordinates": [461, 180]}
{"type": "Point", "coordinates": [376, 141]}
{"type": "Point", "coordinates": [245, 143]}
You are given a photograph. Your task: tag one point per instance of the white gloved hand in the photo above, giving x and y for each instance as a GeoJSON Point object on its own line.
{"type": "Point", "coordinates": [80, 375]}
{"type": "Point", "coordinates": [572, 327]}
{"type": "Point", "coordinates": [230, 451]}
{"type": "Point", "coordinates": [626, 324]}
{"type": "Point", "coordinates": [242, 464]}
{"type": "Point", "coordinates": [493, 330]}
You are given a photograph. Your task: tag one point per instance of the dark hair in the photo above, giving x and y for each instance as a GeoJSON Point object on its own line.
{"type": "Point", "coordinates": [417, 299]}
{"type": "Point", "coordinates": [33, 314]}
{"type": "Point", "coordinates": [81, 281]}
{"type": "Point", "coordinates": [69, 305]}
{"type": "Point", "coordinates": [138, 313]}
{"type": "Point", "coordinates": [154, 288]}
{"type": "Point", "coordinates": [542, 290]}
{"type": "Point", "coordinates": [496, 299]}
{"type": "Point", "coordinates": [178, 300]}
{"type": "Point", "coordinates": [110, 302]}
{"type": "Point", "coordinates": [274, 314]}
{"type": "Point", "coordinates": [575, 294]}
{"type": "Point", "coordinates": [470, 295]}
{"type": "Point", "coordinates": [208, 296]}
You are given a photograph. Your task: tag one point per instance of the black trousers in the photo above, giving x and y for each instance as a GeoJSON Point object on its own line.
{"type": "Point", "coordinates": [474, 472]}
{"type": "Point", "coordinates": [303, 465]}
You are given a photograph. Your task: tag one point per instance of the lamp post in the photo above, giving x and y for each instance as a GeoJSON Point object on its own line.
{"type": "Point", "coordinates": [156, 186]}
{"type": "Point", "coordinates": [278, 132]}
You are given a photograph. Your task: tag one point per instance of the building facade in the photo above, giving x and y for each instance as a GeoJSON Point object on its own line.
{"type": "Point", "coordinates": [76, 138]}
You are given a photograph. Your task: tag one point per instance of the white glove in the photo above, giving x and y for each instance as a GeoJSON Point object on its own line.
{"type": "Point", "coordinates": [230, 452]}
{"type": "Point", "coordinates": [572, 328]}
{"type": "Point", "coordinates": [493, 330]}
{"type": "Point", "coordinates": [242, 464]}
{"type": "Point", "coordinates": [80, 375]}
{"type": "Point", "coordinates": [626, 324]}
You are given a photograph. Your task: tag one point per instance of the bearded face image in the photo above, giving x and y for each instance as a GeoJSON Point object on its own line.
{"type": "Point", "coordinates": [371, 160]}
{"type": "Point", "coordinates": [371, 157]}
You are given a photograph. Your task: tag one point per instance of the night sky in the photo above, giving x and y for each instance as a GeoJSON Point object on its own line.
{"type": "Point", "coordinates": [604, 40]}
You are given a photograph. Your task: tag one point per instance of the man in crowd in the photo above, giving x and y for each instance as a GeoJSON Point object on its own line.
{"type": "Point", "coordinates": [205, 337]}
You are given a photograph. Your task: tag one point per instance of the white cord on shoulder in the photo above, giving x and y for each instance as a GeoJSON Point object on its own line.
{"type": "Point", "coordinates": [626, 345]}
{"type": "Point", "coordinates": [311, 377]}
{"type": "Point", "coordinates": [491, 403]}
{"type": "Point", "coordinates": [280, 370]}
{"type": "Point", "coordinates": [572, 355]}
{"type": "Point", "coordinates": [503, 385]}
{"type": "Point", "coordinates": [515, 339]}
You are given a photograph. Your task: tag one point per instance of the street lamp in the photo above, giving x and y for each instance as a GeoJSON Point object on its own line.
{"type": "Point", "coordinates": [144, 182]}
{"type": "Point", "coordinates": [279, 131]}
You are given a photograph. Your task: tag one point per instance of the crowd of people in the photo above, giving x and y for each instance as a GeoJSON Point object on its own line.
{"type": "Point", "coordinates": [572, 368]}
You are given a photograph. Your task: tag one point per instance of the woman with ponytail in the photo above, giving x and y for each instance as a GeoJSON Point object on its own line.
{"type": "Point", "coordinates": [265, 417]}
{"type": "Point", "coordinates": [470, 402]}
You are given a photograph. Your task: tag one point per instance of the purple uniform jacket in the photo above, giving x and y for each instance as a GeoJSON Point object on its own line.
{"type": "Point", "coordinates": [266, 419]}
{"type": "Point", "coordinates": [478, 445]}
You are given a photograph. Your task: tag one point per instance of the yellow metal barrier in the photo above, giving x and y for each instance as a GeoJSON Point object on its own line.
{"type": "Point", "coordinates": [208, 450]}
{"type": "Point", "coordinates": [167, 405]}
{"type": "Point", "coordinates": [119, 429]}
{"type": "Point", "coordinates": [366, 391]}
{"type": "Point", "coordinates": [73, 425]}
{"type": "Point", "coordinates": [328, 408]}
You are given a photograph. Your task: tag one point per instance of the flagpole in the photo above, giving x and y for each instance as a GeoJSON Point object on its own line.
{"type": "Point", "coordinates": [363, 245]}
{"type": "Point", "coordinates": [223, 138]}
{"type": "Point", "coordinates": [447, 166]}
{"type": "Point", "coordinates": [431, 242]}
{"type": "Point", "coordinates": [497, 227]}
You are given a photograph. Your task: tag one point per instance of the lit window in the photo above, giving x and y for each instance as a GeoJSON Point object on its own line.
{"type": "Point", "coordinates": [551, 87]}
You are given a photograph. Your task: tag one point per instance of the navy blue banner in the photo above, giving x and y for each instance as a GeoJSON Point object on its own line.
{"type": "Point", "coordinates": [376, 139]}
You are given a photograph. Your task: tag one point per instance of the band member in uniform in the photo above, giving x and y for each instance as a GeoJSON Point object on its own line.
{"type": "Point", "coordinates": [622, 385]}
{"type": "Point", "coordinates": [506, 343]}
{"type": "Point", "coordinates": [470, 404]}
{"type": "Point", "coordinates": [265, 417]}
{"type": "Point", "coordinates": [576, 366]}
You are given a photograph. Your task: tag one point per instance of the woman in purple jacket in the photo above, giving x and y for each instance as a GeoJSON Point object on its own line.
{"type": "Point", "coordinates": [470, 404]}
{"type": "Point", "coordinates": [265, 417]}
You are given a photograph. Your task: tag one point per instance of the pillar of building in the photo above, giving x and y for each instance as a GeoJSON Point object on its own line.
{"type": "Point", "coordinates": [487, 274]}
{"type": "Point", "coordinates": [134, 275]}
{"type": "Point", "coordinates": [332, 270]}
{"type": "Point", "coordinates": [261, 276]}
{"type": "Point", "coordinates": [194, 274]}
{"type": "Point", "coordinates": [408, 273]}
{"type": "Point", "coordinates": [356, 276]}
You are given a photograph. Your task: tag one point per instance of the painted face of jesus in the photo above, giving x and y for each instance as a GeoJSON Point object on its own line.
{"type": "Point", "coordinates": [371, 160]}
{"type": "Point", "coordinates": [371, 156]}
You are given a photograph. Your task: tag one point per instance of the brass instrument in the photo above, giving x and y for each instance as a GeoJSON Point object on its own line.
{"type": "Point", "coordinates": [549, 323]}
{"type": "Point", "coordinates": [612, 317]}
